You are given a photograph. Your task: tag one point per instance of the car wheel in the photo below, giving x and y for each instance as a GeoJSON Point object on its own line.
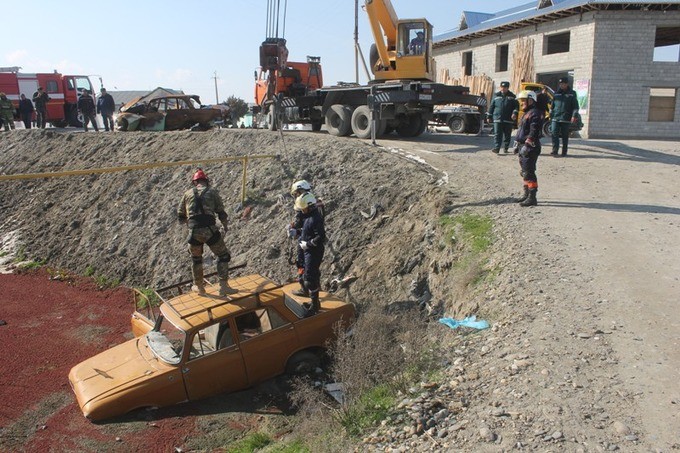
{"type": "Point", "coordinates": [456, 124]}
{"type": "Point", "coordinates": [122, 124]}
{"type": "Point", "coordinates": [302, 363]}
{"type": "Point", "coordinates": [546, 129]}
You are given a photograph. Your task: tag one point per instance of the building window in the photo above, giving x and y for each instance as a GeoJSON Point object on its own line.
{"type": "Point", "coordinates": [662, 104]}
{"type": "Point", "coordinates": [667, 44]}
{"type": "Point", "coordinates": [502, 58]}
{"type": "Point", "coordinates": [558, 43]}
{"type": "Point", "coordinates": [467, 63]}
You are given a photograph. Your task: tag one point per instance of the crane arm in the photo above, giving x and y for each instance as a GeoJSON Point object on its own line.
{"type": "Point", "coordinates": [383, 21]}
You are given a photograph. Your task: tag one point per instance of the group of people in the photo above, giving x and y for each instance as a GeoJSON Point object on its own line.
{"type": "Point", "coordinates": [201, 204]}
{"type": "Point", "coordinates": [504, 110]}
{"type": "Point", "coordinates": [105, 106]}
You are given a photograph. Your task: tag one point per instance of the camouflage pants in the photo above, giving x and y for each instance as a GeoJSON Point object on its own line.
{"type": "Point", "coordinates": [211, 237]}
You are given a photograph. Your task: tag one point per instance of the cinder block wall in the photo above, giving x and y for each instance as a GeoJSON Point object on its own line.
{"type": "Point", "coordinates": [624, 72]}
{"type": "Point", "coordinates": [612, 49]}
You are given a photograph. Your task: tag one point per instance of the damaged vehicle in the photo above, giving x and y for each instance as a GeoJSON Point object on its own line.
{"type": "Point", "coordinates": [166, 113]}
{"type": "Point", "coordinates": [194, 346]}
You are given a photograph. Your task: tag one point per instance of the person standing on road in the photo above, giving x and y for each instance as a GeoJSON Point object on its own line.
{"type": "Point", "coordinates": [26, 111]}
{"type": "Point", "coordinates": [87, 109]}
{"type": "Point", "coordinates": [528, 138]}
{"type": "Point", "coordinates": [564, 111]}
{"type": "Point", "coordinates": [6, 112]}
{"type": "Point", "coordinates": [312, 239]}
{"type": "Point", "coordinates": [105, 107]}
{"type": "Point", "coordinates": [40, 99]}
{"type": "Point", "coordinates": [198, 208]}
{"type": "Point", "coordinates": [503, 113]}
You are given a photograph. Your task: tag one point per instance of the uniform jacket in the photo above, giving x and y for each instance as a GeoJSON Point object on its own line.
{"type": "Point", "coordinates": [25, 107]}
{"type": "Point", "coordinates": [502, 107]}
{"type": "Point", "coordinates": [105, 104]}
{"type": "Point", "coordinates": [86, 105]}
{"type": "Point", "coordinates": [564, 106]}
{"type": "Point", "coordinates": [199, 205]}
{"type": "Point", "coordinates": [313, 231]}
{"type": "Point", "coordinates": [6, 108]}
{"type": "Point", "coordinates": [40, 100]}
{"type": "Point", "coordinates": [530, 125]}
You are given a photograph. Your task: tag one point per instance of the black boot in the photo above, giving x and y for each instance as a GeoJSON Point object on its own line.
{"type": "Point", "coordinates": [531, 199]}
{"type": "Point", "coordinates": [302, 292]}
{"type": "Point", "coordinates": [525, 196]}
{"type": "Point", "coordinates": [315, 305]}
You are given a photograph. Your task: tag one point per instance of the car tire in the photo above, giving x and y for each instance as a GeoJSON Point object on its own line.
{"type": "Point", "coordinates": [339, 120]}
{"type": "Point", "coordinates": [457, 124]}
{"type": "Point", "coordinates": [302, 363]}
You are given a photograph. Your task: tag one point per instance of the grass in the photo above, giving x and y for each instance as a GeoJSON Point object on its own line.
{"type": "Point", "coordinates": [250, 443]}
{"type": "Point", "coordinates": [3, 253]}
{"type": "Point", "coordinates": [104, 282]}
{"type": "Point", "coordinates": [473, 230]}
{"type": "Point", "coordinates": [89, 271]}
{"type": "Point", "coordinates": [33, 264]}
{"type": "Point", "coordinates": [372, 407]}
{"type": "Point", "coordinates": [150, 298]}
{"type": "Point", "coordinates": [296, 446]}
{"type": "Point", "coordinates": [20, 256]}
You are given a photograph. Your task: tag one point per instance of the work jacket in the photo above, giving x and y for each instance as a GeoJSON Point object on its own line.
{"type": "Point", "coordinates": [502, 107]}
{"type": "Point", "coordinates": [313, 231]}
{"type": "Point", "coordinates": [199, 205]}
{"type": "Point", "coordinates": [25, 107]}
{"type": "Point", "coordinates": [564, 106]}
{"type": "Point", "coordinates": [530, 125]}
{"type": "Point", "coordinates": [40, 100]}
{"type": "Point", "coordinates": [106, 104]}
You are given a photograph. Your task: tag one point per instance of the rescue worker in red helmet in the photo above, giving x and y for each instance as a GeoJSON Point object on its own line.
{"type": "Point", "coordinates": [312, 239]}
{"type": "Point", "coordinates": [528, 139]}
{"type": "Point", "coordinates": [198, 208]}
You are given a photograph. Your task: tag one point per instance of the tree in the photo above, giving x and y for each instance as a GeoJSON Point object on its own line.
{"type": "Point", "coordinates": [238, 107]}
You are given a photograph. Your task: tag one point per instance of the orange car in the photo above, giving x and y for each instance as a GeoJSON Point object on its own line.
{"type": "Point", "coordinates": [191, 347]}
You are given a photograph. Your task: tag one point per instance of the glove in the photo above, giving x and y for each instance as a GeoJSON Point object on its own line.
{"type": "Point", "coordinates": [292, 233]}
{"type": "Point", "coordinates": [530, 142]}
{"type": "Point", "coordinates": [304, 245]}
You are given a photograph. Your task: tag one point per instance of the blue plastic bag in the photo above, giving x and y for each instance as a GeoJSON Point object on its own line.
{"type": "Point", "coordinates": [470, 321]}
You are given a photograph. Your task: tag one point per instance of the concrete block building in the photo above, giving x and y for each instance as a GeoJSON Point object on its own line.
{"type": "Point", "coordinates": [623, 58]}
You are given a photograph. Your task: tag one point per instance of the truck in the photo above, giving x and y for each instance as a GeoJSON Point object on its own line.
{"type": "Point", "coordinates": [63, 90]}
{"type": "Point", "coordinates": [401, 97]}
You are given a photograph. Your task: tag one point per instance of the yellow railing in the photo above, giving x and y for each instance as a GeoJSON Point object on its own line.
{"type": "Point", "coordinates": [91, 171]}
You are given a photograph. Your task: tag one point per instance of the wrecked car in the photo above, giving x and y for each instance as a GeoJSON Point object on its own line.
{"type": "Point", "coordinates": [166, 113]}
{"type": "Point", "coordinates": [194, 346]}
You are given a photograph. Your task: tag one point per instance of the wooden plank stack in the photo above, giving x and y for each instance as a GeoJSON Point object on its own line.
{"type": "Point", "coordinates": [478, 84]}
{"type": "Point", "coordinates": [523, 69]}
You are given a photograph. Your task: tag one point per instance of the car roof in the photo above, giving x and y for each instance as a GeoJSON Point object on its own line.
{"type": "Point", "coordinates": [190, 310]}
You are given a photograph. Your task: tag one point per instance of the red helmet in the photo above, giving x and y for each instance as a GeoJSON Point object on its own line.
{"type": "Point", "coordinates": [200, 174]}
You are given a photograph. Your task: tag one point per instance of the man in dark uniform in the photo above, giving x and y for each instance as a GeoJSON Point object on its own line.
{"type": "Point", "coordinates": [26, 111]}
{"type": "Point", "coordinates": [105, 107]}
{"type": "Point", "coordinates": [528, 137]}
{"type": "Point", "coordinates": [564, 111]}
{"type": "Point", "coordinates": [87, 109]}
{"type": "Point", "coordinates": [40, 99]}
{"type": "Point", "coordinates": [198, 208]}
{"type": "Point", "coordinates": [312, 239]}
{"type": "Point", "coordinates": [299, 188]}
{"type": "Point", "coordinates": [503, 113]}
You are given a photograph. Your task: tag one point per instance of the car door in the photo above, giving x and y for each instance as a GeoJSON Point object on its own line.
{"type": "Point", "coordinates": [213, 365]}
{"type": "Point", "coordinates": [266, 343]}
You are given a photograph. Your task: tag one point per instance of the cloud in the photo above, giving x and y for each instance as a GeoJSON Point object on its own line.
{"type": "Point", "coordinates": [16, 56]}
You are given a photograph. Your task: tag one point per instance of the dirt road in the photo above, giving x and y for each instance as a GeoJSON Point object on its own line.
{"type": "Point", "coordinates": [607, 214]}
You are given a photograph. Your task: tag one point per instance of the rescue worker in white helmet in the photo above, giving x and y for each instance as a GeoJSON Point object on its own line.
{"type": "Point", "coordinates": [299, 188]}
{"type": "Point", "coordinates": [198, 208]}
{"type": "Point", "coordinates": [312, 239]}
{"type": "Point", "coordinates": [528, 139]}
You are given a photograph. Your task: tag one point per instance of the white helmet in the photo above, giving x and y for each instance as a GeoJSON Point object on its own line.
{"type": "Point", "coordinates": [304, 201]}
{"type": "Point", "coordinates": [299, 185]}
{"type": "Point", "coordinates": [527, 94]}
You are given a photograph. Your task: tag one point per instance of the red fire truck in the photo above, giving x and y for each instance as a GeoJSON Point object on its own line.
{"type": "Point", "coordinates": [63, 90]}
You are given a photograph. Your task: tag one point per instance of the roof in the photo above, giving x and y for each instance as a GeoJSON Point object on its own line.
{"type": "Point", "coordinates": [475, 24]}
{"type": "Point", "coordinates": [123, 97]}
{"type": "Point", "coordinates": [190, 310]}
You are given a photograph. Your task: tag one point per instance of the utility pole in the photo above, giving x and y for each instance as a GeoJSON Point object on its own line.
{"type": "Point", "coordinates": [356, 40]}
{"type": "Point", "coordinates": [217, 98]}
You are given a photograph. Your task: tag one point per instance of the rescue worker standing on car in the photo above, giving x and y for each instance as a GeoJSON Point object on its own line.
{"type": "Point", "coordinates": [564, 111]}
{"type": "Point", "coordinates": [503, 113]}
{"type": "Point", "coordinates": [198, 208]}
{"type": "Point", "coordinates": [312, 239]}
{"type": "Point", "coordinates": [528, 138]}
{"type": "Point", "coordinates": [87, 109]}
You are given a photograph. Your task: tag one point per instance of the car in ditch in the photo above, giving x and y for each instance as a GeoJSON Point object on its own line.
{"type": "Point", "coordinates": [166, 113]}
{"type": "Point", "coordinates": [194, 346]}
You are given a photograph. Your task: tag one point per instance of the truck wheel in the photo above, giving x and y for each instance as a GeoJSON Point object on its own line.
{"type": "Point", "coordinates": [457, 124]}
{"type": "Point", "coordinates": [411, 127]}
{"type": "Point", "coordinates": [271, 120]}
{"type": "Point", "coordinates": [361, 122]}
{"type": "Point", "coordinates": [60, 123]}
{"type": "Point", "coordinates": [546, 129]}
{"type": "Point", "coordinates": [303, 362]}
{"type": "Point", "coordinates": [472, 125]}
{"type": "Point", "coordinates": [75, 119]}
{"type": "Point", "coordinates": [316, 126]}
{"type": "Point", "coordinates": [339, 120]}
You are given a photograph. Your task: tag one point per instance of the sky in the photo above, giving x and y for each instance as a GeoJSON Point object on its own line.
{"type": "Point", "coordinates": [144, 44]}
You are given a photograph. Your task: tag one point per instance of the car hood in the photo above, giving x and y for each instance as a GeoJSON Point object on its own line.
{"type": "Point", "coordinates": [115, 370]}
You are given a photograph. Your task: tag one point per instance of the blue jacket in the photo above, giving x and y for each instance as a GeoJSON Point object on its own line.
{"type": "Point", "coordinates": [502, 107]}
{"type": "Point", "coordinates": [313, 231]}
{"type": "Point", "coordinates": [564, 106]}
{"type": "Point", "coordinates": [106, 104]}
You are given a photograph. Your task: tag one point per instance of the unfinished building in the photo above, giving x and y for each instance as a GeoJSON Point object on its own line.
{"type": "Point", "coordinates": [623, 59]}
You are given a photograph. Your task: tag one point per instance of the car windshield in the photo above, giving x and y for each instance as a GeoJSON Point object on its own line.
{"type": "Point", "coordinates": [166, 341]}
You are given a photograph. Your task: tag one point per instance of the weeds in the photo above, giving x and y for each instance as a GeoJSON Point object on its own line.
{"type": "Point", "coordinates": [3, 253]}
{"type": "Point", "coordinates": [250, 443]}
{"type": "Point", "coordinates": [89, 271]}
{"type": "Point", "coordinates": [297, 446]}
{"type": "Point", "coordinates": [148, 298]}
{"type": "Point", "coordinates": [21, 255]}
{"type": "Point", "coordinates": [33, 264]}
{"type": "Point", "coordinates": [474, 231]}
{"type": "Point", "coordinates": [104, 282]}
{"type": "Point", "coordinates": [372, 406]}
